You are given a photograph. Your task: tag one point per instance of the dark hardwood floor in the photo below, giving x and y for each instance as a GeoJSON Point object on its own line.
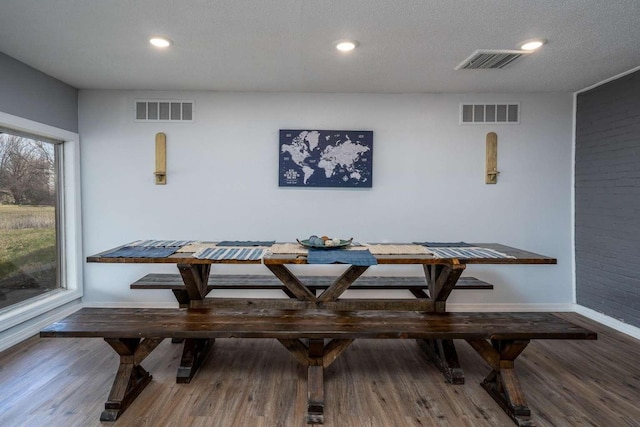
{"type": "Point", "coordinates": [65, 382]}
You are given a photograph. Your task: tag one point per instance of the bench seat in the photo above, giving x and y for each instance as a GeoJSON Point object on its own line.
{"type": "Point", "coordinates": [242, 281]}
{"type": "Point", "coordinates": [274, 323]}
{"type": "Point", "coordinates": [315, 338]}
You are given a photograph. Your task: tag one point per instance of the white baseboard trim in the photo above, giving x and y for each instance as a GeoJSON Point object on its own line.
{"type": "Point", "coordinates": [21, 332]}
{"type": "Point", "coordinates": [131, 304]}
{"type": "Point", "coordinates": [515, 307]}
{"type": "Point", "coordinates": [461, 307]}
{"type": "Point", "coordinates": [608, 321]}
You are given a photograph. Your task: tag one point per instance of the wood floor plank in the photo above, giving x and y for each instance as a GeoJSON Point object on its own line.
{"type": "Point", "coordinates": [376, 383]}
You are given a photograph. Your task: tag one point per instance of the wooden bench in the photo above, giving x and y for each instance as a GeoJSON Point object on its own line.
{"type": "Point", "coordinates": [315, 338]}
{"type": "Point", "coordinates": [416, 285]}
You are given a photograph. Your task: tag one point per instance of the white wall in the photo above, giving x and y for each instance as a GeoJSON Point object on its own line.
{"type": "Point", "coordinates": [428, 182]}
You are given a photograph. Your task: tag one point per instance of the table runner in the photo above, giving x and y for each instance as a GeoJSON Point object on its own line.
{"type": "Point", "coordinates": [341, 256]}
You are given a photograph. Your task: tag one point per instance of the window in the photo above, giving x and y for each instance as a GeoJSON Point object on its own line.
{"type": "Point", "coordinates": [29, 217]}
{"type": "Point", "coordinates": [61, 260]}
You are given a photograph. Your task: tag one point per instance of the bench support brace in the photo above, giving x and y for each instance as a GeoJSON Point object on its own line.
{"type": "Point", "coordinates": [131, 378]}
{"type": "Point", "coordinates": [502, 383]}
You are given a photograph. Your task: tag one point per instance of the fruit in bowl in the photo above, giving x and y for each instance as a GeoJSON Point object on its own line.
{"type": "Point", "coordinates": [332, 242]}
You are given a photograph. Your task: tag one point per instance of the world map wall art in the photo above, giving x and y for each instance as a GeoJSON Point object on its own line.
{"type": "Point", "coordinates": [326, 158]}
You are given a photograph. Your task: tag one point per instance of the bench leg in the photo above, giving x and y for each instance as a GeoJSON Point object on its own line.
{"type": "Point", "coordinates": [443, 354]}
{"type": "Point", "coordinates": [193, 353]}
{"type": "Point", "coordinates": [502, 384]}
{"type": "Point", "coordinates": [131, 378]}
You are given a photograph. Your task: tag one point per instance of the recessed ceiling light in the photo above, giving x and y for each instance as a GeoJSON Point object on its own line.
{"type": "Point", "coordinates": [346, 45]}
{"type": "Point", "coordinates": [160, 41]}
{"type": "Point", "coordinates": [532, 44]}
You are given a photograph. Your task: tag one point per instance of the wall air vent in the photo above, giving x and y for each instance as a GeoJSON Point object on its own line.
{"type": "Point", "coordinates": [481, 114]}
{"type": "Point", "coordinates": [163, 111]}
{"type": "Point", "coordinates": [490, 59]}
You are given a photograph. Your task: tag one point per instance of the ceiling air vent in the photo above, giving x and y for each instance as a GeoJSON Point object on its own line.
{"type": "Point", "coordinates": [163, 111]}
{"type": "Point", "coordinates": [490, 59]}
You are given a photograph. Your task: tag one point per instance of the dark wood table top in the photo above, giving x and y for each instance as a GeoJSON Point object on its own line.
{"type": "Point", "coordinates": [520, 257]}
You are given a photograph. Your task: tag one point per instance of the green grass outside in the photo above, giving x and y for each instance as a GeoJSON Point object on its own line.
{"type": "Point", "coordinates": [27, 239]}
{"type": "Point", "coordinates": [13, 217]}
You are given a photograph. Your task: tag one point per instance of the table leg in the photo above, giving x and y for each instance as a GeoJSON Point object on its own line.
{"type": "Point", "coordinates": [292, 283]}
{"type": "Point", "coordinates": [315, 382]}
{"type": "Point", "coordinates": [441, 279]}
{"type": "Point", "coordinates": [316, 356]}
{"type": "Point", "coordinates": [442, 353]}
{"type": "Point", "coordinates": [195, 278]}
{"type": "Point", "coordinates": [502, 384]}
{"type": "Point", "coordinates": [342, 283]}
{"type": "Point", "coordinates": [131, 378]}
{"type": "Point", "coordinates": [194, 351]}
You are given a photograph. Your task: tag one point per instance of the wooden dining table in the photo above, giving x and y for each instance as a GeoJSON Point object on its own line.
{"type": "Point", "coordinates": [441, 275]}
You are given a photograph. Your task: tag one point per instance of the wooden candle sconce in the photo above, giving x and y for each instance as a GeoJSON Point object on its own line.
{"type": "Point", "coordinates": [491, 175]}
{"type": "Point", "coordinates": [161, 159]}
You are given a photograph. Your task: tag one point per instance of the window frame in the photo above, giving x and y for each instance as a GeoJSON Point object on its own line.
{"type": "Point", "coordinates": [31, 311]}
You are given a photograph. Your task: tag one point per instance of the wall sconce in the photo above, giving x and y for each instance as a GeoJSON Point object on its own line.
{"type": "Point", "coordinates": [161, 159]}
{"type": "Point", "coordinates": [491, 173]}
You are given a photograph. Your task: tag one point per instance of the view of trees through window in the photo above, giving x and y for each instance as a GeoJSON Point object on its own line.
{"type": "Point", "coordinates": [28, 198]}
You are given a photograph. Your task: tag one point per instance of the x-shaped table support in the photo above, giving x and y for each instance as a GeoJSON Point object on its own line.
{"type": "Point", "coordinates": [315, 353]}
{"type": "Point", "coordinates": [194, 351]}
{"type": "Point", "coordinates": [502, 383]}
{"type": "Point", "coordinates": [131, 378]}
{"type": "Point", "coordinates": [441, 279]}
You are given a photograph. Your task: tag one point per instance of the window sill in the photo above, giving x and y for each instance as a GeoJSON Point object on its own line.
{"type": "Point", "coordinates": [34, 307]}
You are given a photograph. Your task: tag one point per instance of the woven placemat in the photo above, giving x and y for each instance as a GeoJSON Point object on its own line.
{"type": "Point", "coordinates": [382, 249]}
{"type": "Point", "coordinates": [195, 247]}
{"type": "Point", "coordinates": [160, 243]}
{"type": "Point", "coordinates": [468, 253]}
{"type": "Point", "coordinates": [288, 248]}
{"type": "Point", "coordinates": [230, 252]}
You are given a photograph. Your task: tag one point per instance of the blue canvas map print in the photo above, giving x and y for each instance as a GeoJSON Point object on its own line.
{"type": "Point", "coordinates": [326, 158]}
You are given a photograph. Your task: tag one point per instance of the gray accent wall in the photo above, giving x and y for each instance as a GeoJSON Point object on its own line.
{"type": "Point", "coordinates": [607, 199]}
{"type": "Point", "coordinates": [30, 94]}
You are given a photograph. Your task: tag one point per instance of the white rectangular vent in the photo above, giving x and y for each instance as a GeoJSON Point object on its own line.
{"type": "Point", "coordinates": [163, 111]}
{"type": "Point", "coordinates": [490, 113]}
{"type": "Point", "coordinates": [490, 59]}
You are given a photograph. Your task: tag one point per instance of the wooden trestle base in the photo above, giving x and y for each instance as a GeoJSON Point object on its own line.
{"type": "Point", "coordinates": [317, 354]}
{"type": "Point", "coordinates": [131, 378]}
{"type": "Point", "coordinates": [443, 355]}
{"type": "Point", "coordinates": [502, 384]}
{"type": "Point", "coordinates": [315, 338]}
{"type": "Point", "coordinates": [193, 354]}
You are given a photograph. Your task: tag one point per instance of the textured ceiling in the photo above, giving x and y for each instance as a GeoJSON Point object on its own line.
{"type": "Point", "coordinates": [406, 46]}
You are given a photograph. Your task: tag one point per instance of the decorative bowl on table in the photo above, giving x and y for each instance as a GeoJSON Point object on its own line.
{"type": "Point", "coordinates": [325, 242]}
